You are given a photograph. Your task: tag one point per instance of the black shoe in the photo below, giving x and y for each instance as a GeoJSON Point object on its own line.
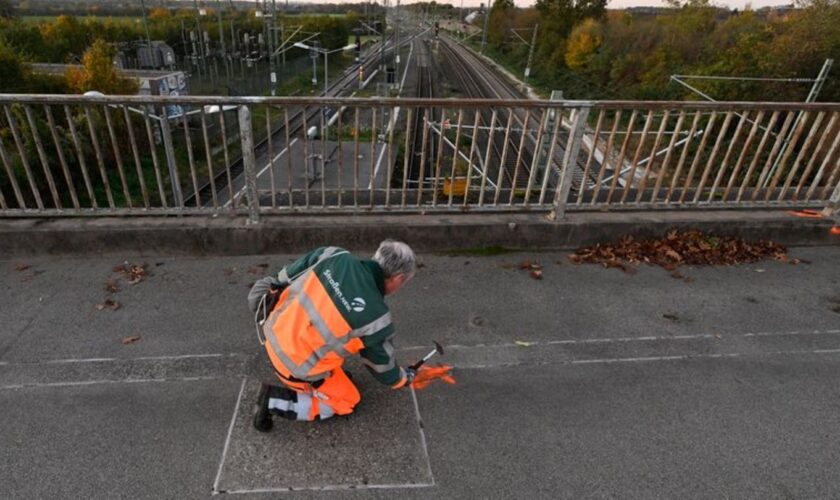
{"type": "Point", "coordinates": [262, 417]}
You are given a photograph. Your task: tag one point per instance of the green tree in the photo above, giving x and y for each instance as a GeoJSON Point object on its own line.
{"type": "Point", "coordinates": [64, 38]}
{"type": "Point", "coordinates": [15, 73]}
{"type": "Point", "coordinates": [557, 18]}
{"type": "Point", "coordinates": [502, 15]}
{"type": "Point", "coordinates": [584, 41]}
{"type": "Point", "coordinates": [7, 10]}
{"type": "Point", "coordinates": [25, 38]}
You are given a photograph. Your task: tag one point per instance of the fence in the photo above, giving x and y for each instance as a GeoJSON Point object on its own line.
{"type": "Point", "coordinates": [83, 156]}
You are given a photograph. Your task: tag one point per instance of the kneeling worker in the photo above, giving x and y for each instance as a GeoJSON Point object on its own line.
{"type": "Point", "coordinates": [320, 309]}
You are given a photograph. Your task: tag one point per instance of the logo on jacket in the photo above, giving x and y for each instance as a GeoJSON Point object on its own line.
{"type": "Point", "coordinates": [358, 304]}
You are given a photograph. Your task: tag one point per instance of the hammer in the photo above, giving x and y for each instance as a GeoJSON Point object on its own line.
{"type": "Point", "coordinates": [437, 350]}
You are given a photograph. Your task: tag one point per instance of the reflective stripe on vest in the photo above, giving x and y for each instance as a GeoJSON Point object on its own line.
{"type": "Point", "coordinates": [334, 335]}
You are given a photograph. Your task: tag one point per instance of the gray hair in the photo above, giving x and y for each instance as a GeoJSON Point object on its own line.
{"type": "Point", "coordinates": [395, 257]}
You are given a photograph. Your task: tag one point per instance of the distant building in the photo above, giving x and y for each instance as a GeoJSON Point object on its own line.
{"type": "Point", "coordinates": [159, 55]}
{"type": "Point", "coordinates": [151, 82]}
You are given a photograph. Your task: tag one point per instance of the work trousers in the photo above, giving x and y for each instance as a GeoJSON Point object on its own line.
{"type": "Point", "coordinates": [335, 395]}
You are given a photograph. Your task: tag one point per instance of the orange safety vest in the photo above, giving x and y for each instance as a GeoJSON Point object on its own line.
{"type": "Point", "coordinates": [306, 335]}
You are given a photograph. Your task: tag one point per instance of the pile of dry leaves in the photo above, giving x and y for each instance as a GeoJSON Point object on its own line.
{"type": "Point", "coordinates": [679, 248]}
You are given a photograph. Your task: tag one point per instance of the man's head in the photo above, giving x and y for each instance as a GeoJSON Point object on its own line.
{"type": "Point", "coordinates": [398, 262]}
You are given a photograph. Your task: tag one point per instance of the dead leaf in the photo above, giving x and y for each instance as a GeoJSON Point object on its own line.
{"type": "Point", "coordinates": [136, 274]}
{"type": "Point", "coordinates": [536, 274]}
{"type": "Point", "coordinates": [108, 304]}
{"type": "Point", "coordinates": [22, 267]}
{"type": "Point", "coordinates": [671, 254]}
{"type": "Point", "coordinates": [111, 286]}
{"type": "Point", "coordinates": [133, 273]}
{"type": "Point", "coordinates": [672, 317]}
{"type": "Point", "coordinates": [130, 340]}
{"type": "Point", "coordinates": [677, 275]}
{"type": "Point", "coordinates": [253, 270]}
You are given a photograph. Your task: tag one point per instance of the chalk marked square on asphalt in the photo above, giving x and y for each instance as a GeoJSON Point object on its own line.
{"type": "Point", "coordinates": [380, 446]}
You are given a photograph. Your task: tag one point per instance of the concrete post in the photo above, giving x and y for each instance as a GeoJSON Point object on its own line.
{"type": "Point", "coordinates": [249, 162]}
{"type": "Point", "coordinates": [833, 207]}
{"type": "Point", "coordinates": [531, 53]}
{"type": "Point", "coordinates": [569, 162]}
{"type": "Point", "coordinates": [484, 31]}
{"type": "Point", "coordinates": [171, 164]}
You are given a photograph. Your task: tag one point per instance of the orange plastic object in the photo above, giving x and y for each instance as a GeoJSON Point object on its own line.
{"type": "Point", "coordinates": [835, 230]}
{"type": "Point", "coordinates": [428, 374]}
{"type": "Point", "coordinates": [808, 214]}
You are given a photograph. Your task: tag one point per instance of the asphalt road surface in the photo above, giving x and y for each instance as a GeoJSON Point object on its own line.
{"type": "Point", "coordinates": [589, 383]}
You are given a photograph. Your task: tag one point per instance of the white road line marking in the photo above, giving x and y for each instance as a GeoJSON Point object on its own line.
{"type": "Point", "coordinates": [141, 358]}
{"type": "Point", "coordinates": [682, 357]}
{"type": "Point", "coordinates": [104, 381]}
{"type": "Point", "coordinates": [334, 487]}
{"type": "Point", "coordinates": [628, 339]}
{"type": "Point", "coordinates": [422, 435]}
{"type": "Point", "coordinates": [229, 433]}
{"type": "Point", "coordinates": [84, 360]}
{"type": "Point", "coordinates": [534, 343]}
{"type": "Point", "coordinates": [266, 167]}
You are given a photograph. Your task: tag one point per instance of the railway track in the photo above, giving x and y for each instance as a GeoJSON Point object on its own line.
{"type": "Point", "coordinates": [507, 151]}
{"type": "Point", "coordinates": [422, 144]}
{"type": "Point", "coordinates": [297, 120]}
{"type": "Point", "coordinates": [478, 80]}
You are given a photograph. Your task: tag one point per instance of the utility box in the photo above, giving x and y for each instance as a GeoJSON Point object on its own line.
{"type": "Point", "coordinates": [159, 55]}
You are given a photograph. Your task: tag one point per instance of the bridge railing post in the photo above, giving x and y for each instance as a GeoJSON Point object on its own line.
{"type": "Point", "coordinates": [833, 207]}
{"type": "Point", "coordinates": [171, 162]}
{"type": "Point", "coordinates": [570, 156]}
{"type": "Point", "coordinates": [249, 163]}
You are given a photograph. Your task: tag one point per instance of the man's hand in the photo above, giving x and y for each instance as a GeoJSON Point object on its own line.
{"type": "Point", "coordinates": [410, 373]}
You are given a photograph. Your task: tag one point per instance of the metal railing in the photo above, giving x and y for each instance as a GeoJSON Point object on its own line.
{"type": "Point", "coordinates": [74, 155]}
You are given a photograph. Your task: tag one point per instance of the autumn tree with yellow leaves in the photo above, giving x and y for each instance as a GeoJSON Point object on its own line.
{"type": "Point", "coordinates": [99, 73]}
